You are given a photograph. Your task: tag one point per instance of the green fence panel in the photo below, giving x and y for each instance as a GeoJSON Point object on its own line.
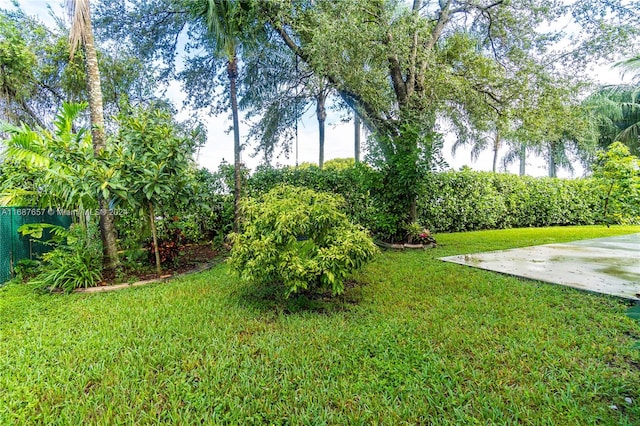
{"type": "Point", "coordinates": [13, 246]}
{"type": "Point", "coordinates": [6, 240]}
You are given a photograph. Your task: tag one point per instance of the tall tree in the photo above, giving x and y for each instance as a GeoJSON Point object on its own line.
{"type": "Point", "coordinates": [405, 66]}
{"type": "Point", "coordinates": [516, 151]}
{"type": "Point", "coordinates": [81, 34]}
{"type": "Point", "coordinates": [278, 89]}
{"type": "Point", "coordinates": [52, 78]}
{"type": "Point", "coordinates": [228, 22]}
{"type": "Point", "coordinates": [357, 126]}
{"type": "Point", "coordinates": [616, 109]}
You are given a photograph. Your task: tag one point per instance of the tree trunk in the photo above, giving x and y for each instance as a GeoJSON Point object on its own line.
{"type": "Point", "coordinates": [356, 136]}
{"type": "Point", "coordinates": [496, 148]}
{"type": "Point", "coordinates": [523, 159]}
{"type": "Point", "coordinates": [232, 71]}
{"type": "Point", "coordinates": [552, 161]}
{"type": "Point", "coordinates": [321, 113]}
{"type": "Point", "coordinates": [413, 213]}
{"type": "Point", "coordinates": [107, 226]}
{"type": "Point", "coordinates": [154, 234]}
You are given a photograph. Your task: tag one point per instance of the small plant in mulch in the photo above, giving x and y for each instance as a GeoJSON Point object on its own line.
{"type": "Point", "coordinates": [418, 234]}
{"type": "Point", "coordinates": [168, 248]}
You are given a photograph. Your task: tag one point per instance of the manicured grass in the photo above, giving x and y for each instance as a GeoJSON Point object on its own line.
{"type": "Point", "coordinates": [420, 342]}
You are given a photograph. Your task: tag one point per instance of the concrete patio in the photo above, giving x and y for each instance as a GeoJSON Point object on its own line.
{"type": "Point", "coordinates": [603, 265]}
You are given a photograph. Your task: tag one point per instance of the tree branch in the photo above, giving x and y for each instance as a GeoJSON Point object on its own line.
{"type": "Point", "coordinates": [348, 96]}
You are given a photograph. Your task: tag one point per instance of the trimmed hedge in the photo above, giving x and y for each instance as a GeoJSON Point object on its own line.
{"type": "Point", "coordinates": [451, 201]}
{"type": "Point", "coordinates": [466, 201]}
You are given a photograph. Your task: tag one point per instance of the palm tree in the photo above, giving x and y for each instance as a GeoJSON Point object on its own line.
{"type": "Point", "coordinates": [617, 109]}
{"type": "Point", "coordinates": [517, 151]}
{"type": "Point", "coordinates": [357, 125]}
{"type": "Point", "coordinates": [227, 22]}
{"type": "Point", "coordinates": [480, 141]}
{"type": "Point", "coordinates": [321, 92]}
{"type": "Point", "coordinates": [81, 34]}
{"type": "Point", "coordinates": [280, 90]}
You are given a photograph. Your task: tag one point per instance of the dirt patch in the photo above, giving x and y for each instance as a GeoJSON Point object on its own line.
{"type": "Point", "coordinates": [192, 257]}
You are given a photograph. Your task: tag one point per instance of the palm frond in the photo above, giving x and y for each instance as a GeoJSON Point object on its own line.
{"type": "Point", "coordinates": [630, 133]}
{"type": "Point", "coordinates": [17, 197]}
{"type": "Point", "coordinates": [631, 64]}
{"type": "Point", "coordinates": [79, 14]}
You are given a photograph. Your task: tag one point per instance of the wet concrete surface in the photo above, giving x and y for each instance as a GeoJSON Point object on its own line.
{"type": "Point", "coordinates": [603, 265]}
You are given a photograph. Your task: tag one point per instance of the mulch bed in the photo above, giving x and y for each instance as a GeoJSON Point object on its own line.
{"type": "Point", "coordinates": [193, 257]}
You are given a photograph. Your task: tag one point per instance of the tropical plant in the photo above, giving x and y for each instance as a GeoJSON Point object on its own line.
{"type": "Point", "coordinates": [418, 234]}
{"type": "Point", "coordinates": [56, 168]}
{"type": "Point", "coordinates": [74, 265]}
{"type": "Point", "coordinates": [81, 34]}
{"type": "Point", "coordinates": [616, 110]}
{"type": "Point", "coordinates": [154, 153]}
{"type": "Point", "coordinates": [298, 238]}
{"type": "Point", "coordinates": [231, 24]}
{"type": "Point", "coordinates": [617, 173]}
{"type": "Point", "coordinates": [278, 90]}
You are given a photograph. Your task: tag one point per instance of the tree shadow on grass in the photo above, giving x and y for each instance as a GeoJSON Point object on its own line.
{"type": "Point", "coordinates": [272, 298]}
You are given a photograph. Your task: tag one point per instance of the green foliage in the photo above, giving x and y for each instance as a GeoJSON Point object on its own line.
{"type": "Point", "coordinates": [36, 230]}
{"type": "Point", "coordinates": [418, 234]}
{"type": "Point", "coordinates": [298, 238]}
{"type": "Point", "coordinates": [448, 201]}
{"type": "Point", "coordinates": [465, 201]}
{"type": "Point", "coordinates": [73, 265]}
{"type": "Point", "coordinates": [339, 163]}
{"type": "Point", "coordinates": [26, 269]}
{"type": "Point", "coordinates": [617, 174]}
{"type": "Point", "coordinates": [67, 270]}
{"type": "Point", "coordinates": [154, 152]}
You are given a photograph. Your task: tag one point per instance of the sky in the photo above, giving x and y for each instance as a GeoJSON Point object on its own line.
{"type": "Point", "coordinates": [339, 136]}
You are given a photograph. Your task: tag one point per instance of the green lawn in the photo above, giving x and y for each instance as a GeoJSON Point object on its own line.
{"type": "Point", "coordinates": [422, 341]}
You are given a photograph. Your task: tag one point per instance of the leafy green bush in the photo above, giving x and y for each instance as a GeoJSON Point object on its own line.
{"type": "Point", "coordinates": [26, 269]}
{"type": "Point", "coordinates": [617, 175]}
{"type": "Point", "coordinates": [299, 238]}
{"type": "Point", "coordinates": [74, 265]}
{"type": "Point", "coordinates": [69, 269]}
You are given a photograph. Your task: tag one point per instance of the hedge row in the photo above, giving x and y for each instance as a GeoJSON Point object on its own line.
{"type": "Point", "coordinates": [451, 201]}
{"type": "Point", "coordinates": [465, 201]}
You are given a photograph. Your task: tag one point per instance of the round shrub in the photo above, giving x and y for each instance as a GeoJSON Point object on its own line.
{"type": "Point", "coordinates": [298, 238]}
